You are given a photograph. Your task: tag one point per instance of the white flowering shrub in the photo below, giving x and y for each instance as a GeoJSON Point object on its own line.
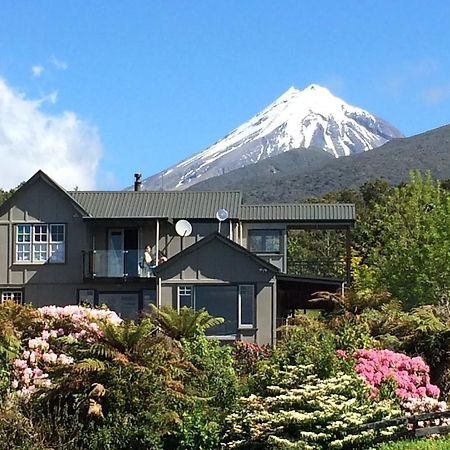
{"type": "Point", "coordinates": [305, 412]}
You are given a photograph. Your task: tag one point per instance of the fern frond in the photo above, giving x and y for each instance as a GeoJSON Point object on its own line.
{"type": "Point", "coordinates": [89, 365]}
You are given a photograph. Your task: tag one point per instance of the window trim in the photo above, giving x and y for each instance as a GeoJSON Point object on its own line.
{"type": "Point", "coordinates": [185, 287]}
{"type": "Point", "coordinates": [49, 243]}
{"type": "Point", "coordinates": [241, 325]}
{"type": "Point", "coordinates": [254, 231]}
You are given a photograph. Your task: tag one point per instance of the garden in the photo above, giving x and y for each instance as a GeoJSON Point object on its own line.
{"type": "Point", "coordinates": [80, 378]}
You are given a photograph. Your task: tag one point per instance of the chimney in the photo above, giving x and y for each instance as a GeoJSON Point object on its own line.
{"type": "Point", "coordinates": [137, 182]}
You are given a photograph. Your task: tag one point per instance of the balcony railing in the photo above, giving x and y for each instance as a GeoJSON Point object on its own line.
{"type": "Point", "coordinates": [115, 264]}
{"type": "Point", "coordinates": [332, 268]}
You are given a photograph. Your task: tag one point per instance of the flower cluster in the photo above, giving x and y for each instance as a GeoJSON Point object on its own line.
{"type": "Point", "coordinates": [424, 405]}
{"type": "Point", "coordinates": [304, 411]}
{"type": "Point", "coordinates": [410, 375]}
{"type": "Point", "coordinates": [42, 348]}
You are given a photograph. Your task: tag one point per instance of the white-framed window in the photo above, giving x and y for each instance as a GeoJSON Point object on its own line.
{"type": "Point", "coordinates": [246, 306]}
{"type": "Point", "coordinates": [185, 297]}
{"type": "Point", "coordinates": [57, 246]}
{"type": "Point", "coordinates": [39, 243]}
{"type": "Point", "coordinates": [15, 296]}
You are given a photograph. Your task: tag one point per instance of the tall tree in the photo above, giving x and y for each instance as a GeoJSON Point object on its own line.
{"type": "Point", "coordinates": [412, 251]}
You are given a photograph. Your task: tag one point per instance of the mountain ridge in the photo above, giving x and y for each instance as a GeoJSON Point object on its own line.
{"type": "Point", "coordinates": [392, 161]}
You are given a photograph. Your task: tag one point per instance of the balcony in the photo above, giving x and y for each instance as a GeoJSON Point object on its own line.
{"type": "Point", "coordinates": [115, 264]}
{"type": "Point", "coordinates": [327, 268]}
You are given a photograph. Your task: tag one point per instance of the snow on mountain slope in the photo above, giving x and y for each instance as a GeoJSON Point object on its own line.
{"type": "Point", "coordinates": [311, 117]}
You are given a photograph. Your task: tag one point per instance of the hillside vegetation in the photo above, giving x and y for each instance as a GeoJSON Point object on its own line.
{"type": "Point", "coordinates": [296, 181]}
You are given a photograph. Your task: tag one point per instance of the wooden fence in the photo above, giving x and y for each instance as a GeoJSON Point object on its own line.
{"type": "Point", "coordinates": [408, 426]}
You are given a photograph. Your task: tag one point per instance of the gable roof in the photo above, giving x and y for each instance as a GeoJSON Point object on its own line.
{"type": "Point", "coordinates": [164, 204]}
{"type": "Point", "coordinates": [207, 240]}
{"type": "Point", "coordinates": [190, 205]}
{"type": "Point", "coordinates": [340, 212]}
{"type": "Point", "coordinates": [40, 175]}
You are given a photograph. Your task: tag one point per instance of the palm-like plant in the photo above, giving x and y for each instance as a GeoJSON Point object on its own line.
{"type": "Point", "coordinates": [187, 323]}
{"type": "Point", "coordinates": [14, 320]}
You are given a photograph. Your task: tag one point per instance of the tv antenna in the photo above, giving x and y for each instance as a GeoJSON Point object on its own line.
{"type": "Point", "coordinates": [221, 215]}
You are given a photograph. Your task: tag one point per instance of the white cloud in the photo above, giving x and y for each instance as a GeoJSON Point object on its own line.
{"type": "Point", "coordinates": [437, 94]}
{"type": "Point", "coordinates": [37, 70]}
{"type": "Point", "coordinates": [58, 63]}
{"type": "Point", "coordinates": [65, 147]}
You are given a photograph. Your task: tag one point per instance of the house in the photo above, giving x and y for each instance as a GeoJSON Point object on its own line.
{"type": "Point", "coordinates": [61, 247]}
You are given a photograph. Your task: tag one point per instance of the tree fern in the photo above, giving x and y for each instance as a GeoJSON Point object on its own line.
{"type": "Point", "coordinates": [184, 324]}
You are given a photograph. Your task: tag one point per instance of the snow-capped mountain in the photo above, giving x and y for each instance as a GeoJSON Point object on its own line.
{"type": "Point", "coordinates": [311, 117]}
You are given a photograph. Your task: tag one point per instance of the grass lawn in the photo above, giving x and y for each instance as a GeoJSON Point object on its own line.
{"type": "Point", "coordinates": [442, 443]}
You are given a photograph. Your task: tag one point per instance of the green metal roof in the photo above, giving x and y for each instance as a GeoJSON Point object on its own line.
{"type": "Point", "coordinates": [167, 204]}
{"type": "Point", "coordinates": [203, 205]}
{"type": "Point", "coordinates": [338, 212]}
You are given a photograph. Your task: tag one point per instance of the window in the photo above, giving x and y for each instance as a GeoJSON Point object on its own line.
{"type": "Point", "coordinates": [185, 297]}
{"type": "Point", "coordinates": [15, 296]}
{"type": "Point", "coordinates": [125, 304]}
{"type": "Point", "coordinates": [246, 306]}
{"type": "Point", "coordinates": [40, 243]}
{"type": "Point", "coordinates": [236, 304]}
{"type": "Point", "coordinates": [148, 298]}
{"type": "Point", "coordinates": [219, 301]}
{"type": "Point", "coordinates": [86, 297]}
{"type": "Point", "coordinates": [265, 241]}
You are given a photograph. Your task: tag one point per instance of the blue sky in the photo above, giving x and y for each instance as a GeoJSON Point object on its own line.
{"type": "Point", "coordinates": [129, 86]}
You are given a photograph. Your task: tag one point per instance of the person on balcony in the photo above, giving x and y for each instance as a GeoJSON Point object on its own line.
{"type": "Point", "coordinates": [149, 261]}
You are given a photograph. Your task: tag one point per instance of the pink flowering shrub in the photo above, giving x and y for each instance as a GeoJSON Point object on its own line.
{"type": "Point", "coordinates": [43, 349]}
{"type": "Point", "coordinates": [410, 375]}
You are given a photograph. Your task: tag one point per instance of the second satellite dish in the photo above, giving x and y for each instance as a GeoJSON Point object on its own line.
{"type": "Point", "coordinates": [183, 228]}
{"type": "Point", "coordinates": [222, 214]}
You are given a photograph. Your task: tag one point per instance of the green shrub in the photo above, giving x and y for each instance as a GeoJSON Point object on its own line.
{"type": "Point", "coordinates": [307, 341]}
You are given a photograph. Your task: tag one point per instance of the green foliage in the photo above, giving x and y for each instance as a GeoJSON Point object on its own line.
{"type": "Point", "coordinates": [316, 252]}
{"type": "Point", "coordinates": [5, 195]}
{"type": "Point", "coordinates": [412, 248]}
{"type": "Point", "coordinates": [187, 323]}
{"type": "Point", "coordinates": [215, 378]}
{"type": "Point", "coordinates": [307, 341]}
{"type": "Point", "coordinates": [247, 355]}
{"type": "Point", "coordinates": [197, 431]}
{"type": "Point", "coordinates": [430, 443]}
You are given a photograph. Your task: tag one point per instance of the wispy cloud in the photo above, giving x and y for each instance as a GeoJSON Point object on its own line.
{"type": "Point", "coordinates": [37, 70]}
{"type": "Point", "coordinates": [59, 64]}
{"type": "Point", "coordinates": [437, 94]}
{"type": "Point", "coordinates": [64, 146]}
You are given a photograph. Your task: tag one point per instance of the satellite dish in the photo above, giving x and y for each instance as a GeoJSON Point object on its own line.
{"type": "Point", "coordinates": [183, 228]}
{"type": "Point", "coordinates": [222, 214]}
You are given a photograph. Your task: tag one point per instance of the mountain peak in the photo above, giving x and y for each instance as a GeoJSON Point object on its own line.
{"type": "Point", "coordinates": [316, 87]}
{"type": "Point", "coordinates": [312, 117]}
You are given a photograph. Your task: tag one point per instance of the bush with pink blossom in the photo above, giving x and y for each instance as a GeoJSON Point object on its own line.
{"type": "Point", "coordinates": [48, 342]}
{"type": "Point", "coordinates": [410, 375]}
